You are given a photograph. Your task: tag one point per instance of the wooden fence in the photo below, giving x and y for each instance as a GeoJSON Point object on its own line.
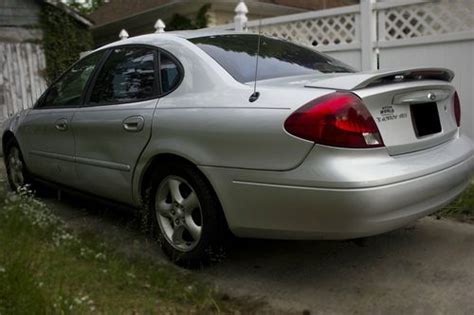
{"type": "Point", "coordinates": [21, 80]}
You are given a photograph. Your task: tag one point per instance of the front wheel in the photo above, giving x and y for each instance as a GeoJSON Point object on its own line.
{"type": "Point", "coordinates": [17, 174]}
{"type": "Point", "coordinates": [186, 216]}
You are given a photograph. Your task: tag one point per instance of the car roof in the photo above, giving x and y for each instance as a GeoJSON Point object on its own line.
{"type": "Point", "coordinates": [190, 34]}
{"type": "Point", "coordinates": [173, 35]}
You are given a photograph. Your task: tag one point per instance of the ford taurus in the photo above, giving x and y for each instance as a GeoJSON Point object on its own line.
{"type": "Point", "coordinates": [173, 123]}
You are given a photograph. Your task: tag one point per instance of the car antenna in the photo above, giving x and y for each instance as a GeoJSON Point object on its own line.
{"type": "Point", "coordinates": [256, 94]}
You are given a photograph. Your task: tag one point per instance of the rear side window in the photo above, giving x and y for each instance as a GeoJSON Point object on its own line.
{"type": "Point", "coordinates": [67, 91]}
{"type": "Point", "coordinates": [128, 75]}
{"type": "Point", "coordinates": [169, 73]}
{"type": "Point", "coordinates": [277, 58]}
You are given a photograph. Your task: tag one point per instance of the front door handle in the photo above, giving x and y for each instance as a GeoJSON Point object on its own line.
{"type": "Point", "coordinates": [61, 124]}
{"type": "Point", "coordinates": [133, 123]}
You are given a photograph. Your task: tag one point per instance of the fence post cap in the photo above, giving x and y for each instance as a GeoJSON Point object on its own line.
{"type": "Point", "coordinates": [123, 34]}
{"type": "Point", "coordinates": [159, 26]}
{"type": "Point", "coordinates": [241, 8]}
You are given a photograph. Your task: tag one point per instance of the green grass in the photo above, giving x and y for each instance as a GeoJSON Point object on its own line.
{"type": "Point", "coordinates": [46, 269]}
{"type": "Point", "coordinates": [462, 208]}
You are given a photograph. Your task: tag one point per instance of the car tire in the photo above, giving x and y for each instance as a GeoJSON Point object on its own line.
{"type": "Point", "coordinates": [17, 173]}
{"type": "Point", "coordinates": [191, 231]}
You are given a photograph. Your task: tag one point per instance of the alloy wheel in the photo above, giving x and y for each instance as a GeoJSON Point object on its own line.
{"type": "Point", "coordinates": [179, 213]}
{"type": "Point", "coordinates": [15, 168]}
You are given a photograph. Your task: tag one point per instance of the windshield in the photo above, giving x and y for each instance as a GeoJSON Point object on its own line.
{"type": "Point", "coordinates": [277, 58]}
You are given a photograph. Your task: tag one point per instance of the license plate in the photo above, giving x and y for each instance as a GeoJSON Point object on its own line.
{"type": "Point", "coordinates": [425, 118]}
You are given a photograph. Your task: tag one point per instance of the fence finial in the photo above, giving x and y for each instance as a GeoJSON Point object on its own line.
{"type": "Point", "coordinates": [240, 19]}
{"type": "Point", "coordinates": [160, 26]}
{"type": "Point", "coordinates": [123, 34]}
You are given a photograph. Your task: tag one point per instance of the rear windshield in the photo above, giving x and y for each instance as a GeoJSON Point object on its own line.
{"type": "Point", "coordinates": [277, 58]}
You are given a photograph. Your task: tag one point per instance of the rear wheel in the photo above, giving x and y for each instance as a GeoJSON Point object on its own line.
{"type": "Point", "coordinates": [186, 216]}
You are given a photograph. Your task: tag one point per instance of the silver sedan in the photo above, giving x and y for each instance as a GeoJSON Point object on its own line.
{"type": "Point", "coordinates": [187, 126]}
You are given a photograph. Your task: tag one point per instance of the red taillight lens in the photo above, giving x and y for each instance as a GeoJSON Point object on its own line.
{"type": "Point", "coordinates": [457, 108]}
{"type": "Point", "coordinates": [338, 119]}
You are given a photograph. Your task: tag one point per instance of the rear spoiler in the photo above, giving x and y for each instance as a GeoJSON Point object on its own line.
{"type": "Point", "coordinates": [362, 80]}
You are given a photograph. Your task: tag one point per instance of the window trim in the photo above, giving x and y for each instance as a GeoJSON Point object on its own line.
{"type": "Point", "coordinates": [157, 89]}
{"type": "Point", "coordinates": [42, 98]}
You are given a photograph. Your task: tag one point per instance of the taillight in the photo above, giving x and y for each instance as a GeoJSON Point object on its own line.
{"type": "Point", "coordinates": [457, 109]}
{"type": "Point", "coordinates": [338, 119]}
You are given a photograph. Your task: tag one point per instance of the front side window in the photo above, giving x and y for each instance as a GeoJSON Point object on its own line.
{"type": "Point", "coordinates": [277, 58]}
{"type": "Point", "coordinates": [67, 91]}
{"type": "Point", "coordinates": [127, 76]}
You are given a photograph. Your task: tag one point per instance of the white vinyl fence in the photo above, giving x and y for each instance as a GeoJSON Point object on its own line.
{"type": "Point", "coordinates": [371, 35]}
{"type": "Point", "coordinates": [432, 34]}
{"type": "Point", "coordinates": [387, 35]}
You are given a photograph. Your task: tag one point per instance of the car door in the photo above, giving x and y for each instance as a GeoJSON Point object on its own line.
{"type": "Point", "coordinates": [114, 125]}
{"type": "Point", "coordinates": [46, 135]}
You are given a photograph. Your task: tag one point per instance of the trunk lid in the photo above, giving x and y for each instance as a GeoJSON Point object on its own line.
{"type": "Point", "coordinates": [412, 107]}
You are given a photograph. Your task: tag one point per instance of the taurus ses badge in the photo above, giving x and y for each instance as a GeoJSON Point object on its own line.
{"type": "Point", "coordinates": [431, 96]}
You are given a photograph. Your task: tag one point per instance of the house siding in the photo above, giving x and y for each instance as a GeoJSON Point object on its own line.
{"type": "Point", "coordinates": [19, 13]}
{"type": "Point", "coordinates": [22, 60]}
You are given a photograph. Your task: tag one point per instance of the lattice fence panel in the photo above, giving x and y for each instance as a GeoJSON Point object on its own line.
{"type": "Point", "coordinates": [331, 30]}
{"type": "Point", "coordinates": [443, 17]}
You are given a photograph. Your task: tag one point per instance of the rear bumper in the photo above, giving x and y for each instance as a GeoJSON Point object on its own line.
{"type": "Point", "coordinates": [336, 195]}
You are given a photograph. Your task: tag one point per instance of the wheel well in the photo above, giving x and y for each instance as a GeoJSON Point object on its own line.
{"type": "Point", "coordinates": [164, 159]}
{"type": "Point", "coordinates": [6, 139]}
{"type": "Point", "coordinates": [167, 159]}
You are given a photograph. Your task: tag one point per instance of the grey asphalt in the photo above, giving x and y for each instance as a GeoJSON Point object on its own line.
{"type": "Point", "coordinates": [427, 268]}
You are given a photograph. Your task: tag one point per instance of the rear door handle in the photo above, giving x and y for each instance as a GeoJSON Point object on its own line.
{"type": "Point", "coordinates": [133, 123]}
{"type": "Point", "coordinates": [61, 124]}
